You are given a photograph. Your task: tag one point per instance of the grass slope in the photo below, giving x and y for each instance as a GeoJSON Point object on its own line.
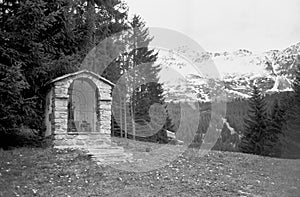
{"type": "Point", "coordinates": [52, 172]}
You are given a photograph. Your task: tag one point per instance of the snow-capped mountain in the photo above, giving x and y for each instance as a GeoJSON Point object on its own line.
{"type": "Point", "coordinates": [272, 71]}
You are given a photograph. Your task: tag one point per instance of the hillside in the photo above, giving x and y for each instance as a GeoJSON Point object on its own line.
{"type": "Point", "coordinates": [51, 172]}
{"type": "Point", "coordinates": [272, 71]}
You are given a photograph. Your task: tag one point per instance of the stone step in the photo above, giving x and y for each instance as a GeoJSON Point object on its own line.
{"type": "Point", "coordinates": [99, 147]}
{"type": "Point", "coordinates": [102, 161]}
{"type": "Point", "coordinates": [70, 147]}
{"type": "Point", "coordinates": [90, 144]}
{"type": "Point", "coordinates": [112, 159]}
{"type": "Point", "coordinates": [111, 162]}
{"type": "Point", "coordinates": [104, 147]}
{"type": "Point", "coordinates": [107, 153]}
{"type": "Point", "coordinates": [110, 153]}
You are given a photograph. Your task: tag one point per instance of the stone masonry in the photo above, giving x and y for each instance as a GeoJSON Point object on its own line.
{"type": "Point", "coordinates": [97, 142]}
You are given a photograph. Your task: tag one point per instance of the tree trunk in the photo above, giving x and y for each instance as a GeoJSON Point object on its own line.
{"type": "Point", "coordinates": [125, 118]}
{"type": "Point", "coordinates": [132, 120]}
{"type": "Point", "coordinates": [120, 120]}
{"type": "Point", "coordinates": [133, 88]}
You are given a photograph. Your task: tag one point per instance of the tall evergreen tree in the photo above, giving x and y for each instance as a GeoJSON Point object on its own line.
{"type": "Point", "coordinates": [143, 81]}
{"type": "Point", "coordinates": [33, 36]}
{"type": "Point", "coordinates": [296, 88]}
{"type": "Point", "coordinates": [12, 83]}
{"type": "Point", "coordinates": [273, 145]}
{"type": "Point", "coordinates": [254, 136]}
{"type": "Point", "coordinates": [292, 133]}
{"type": "Point", "coordinates": [41, 40]}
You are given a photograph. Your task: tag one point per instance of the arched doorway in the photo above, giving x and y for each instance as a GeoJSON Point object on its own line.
{"type": "Point", "coordinates": [82, 106]}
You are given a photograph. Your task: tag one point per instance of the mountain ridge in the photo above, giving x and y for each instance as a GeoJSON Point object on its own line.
{"type": "Point", "coordinates": [272, 71]}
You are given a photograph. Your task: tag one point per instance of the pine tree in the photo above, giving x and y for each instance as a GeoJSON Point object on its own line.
{"type": "Point", "coordinates": [296, 88]}
{"type": "Point", "coordinates": [276, 123]}
{"type": "Point", "coordinates": [138, 40]}
{"type": "Point", "coordinates": [33, 36]}
{"type": "Point", "coordinates": [95, 20]}
{"type": "Point", "coordinates": [143, 81]}
{"type": "Point", "coordinates": [42, 40]}
{"type": "Point", "coordinates": [12, 83]}
{"type": "Point", "coordinates": [292, 133]}
{"type": "Point", "coordinates": [253, 139]}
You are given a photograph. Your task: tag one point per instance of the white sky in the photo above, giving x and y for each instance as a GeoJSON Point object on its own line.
{"type": "Point", "coordinates": [226, 25]}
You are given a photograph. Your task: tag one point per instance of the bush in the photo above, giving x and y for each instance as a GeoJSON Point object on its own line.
{"type": "Point", "coordinates": [22, 138]}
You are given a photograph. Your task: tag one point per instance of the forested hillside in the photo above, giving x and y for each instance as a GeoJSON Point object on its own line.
{"type": "Point", "coordinates": [234, 125]}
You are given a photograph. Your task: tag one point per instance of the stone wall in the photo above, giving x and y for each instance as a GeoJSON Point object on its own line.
{"type": "Point", "coordinates": [59, 120]}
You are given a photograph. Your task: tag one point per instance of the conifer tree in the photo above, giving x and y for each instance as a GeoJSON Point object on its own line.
{"type": "Point", "coordinates": [253, 139]}
{"type": "Point", "coordinates": [145, 89]}
{"type": "Point", "coordinates": [296, 88]}
{"type": "Point", "coordinates": [42, 40]}
{"type": "Point", "coordinates": [292, 133]}
{"type": "Point", "coordinates": [33, 39]}
{"type": "Point", "coordinates": [276, 123]}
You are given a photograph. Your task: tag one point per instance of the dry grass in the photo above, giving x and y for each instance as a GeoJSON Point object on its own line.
{"type": "Point", "coordinates": [51, 172]}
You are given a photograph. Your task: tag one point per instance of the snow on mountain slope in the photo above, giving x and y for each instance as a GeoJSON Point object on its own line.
{"type": "Point", "coordinates": [238, 63]}
{"type": "Point", "coordinates": [281, 84]}
{"type": "Point", "coordinates": [272, 71]}
{"type": "Point", "coordinates": [231, 129]}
